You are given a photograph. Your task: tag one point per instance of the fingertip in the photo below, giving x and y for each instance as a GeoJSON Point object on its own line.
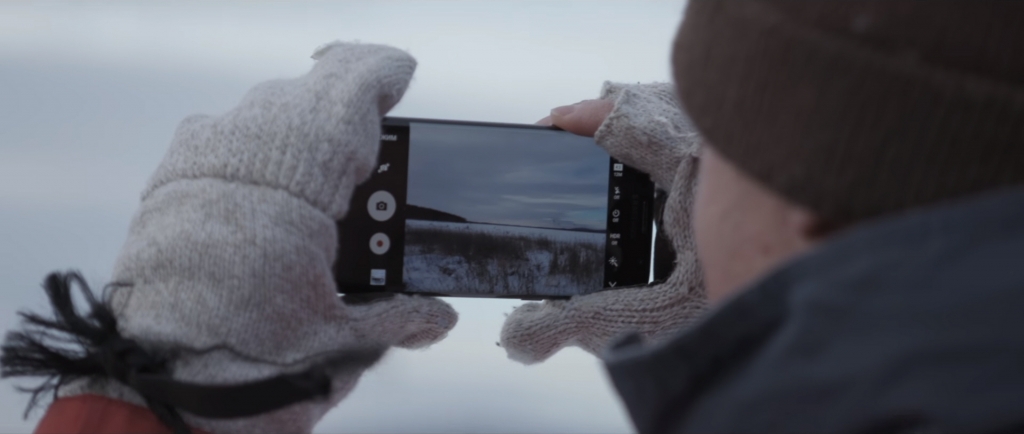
{"type": "Point", "coordinates": [564, 110]}
{"type": "Point", "coordinates": [562, 116]}
{"type": "Point", "coordinates": [582, 118]}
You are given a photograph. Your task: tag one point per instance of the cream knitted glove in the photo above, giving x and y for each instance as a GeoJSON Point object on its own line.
{"type": "Point", "coordinates": [228, 260]}
{"type": "Point", "coordinates": [646, 130]}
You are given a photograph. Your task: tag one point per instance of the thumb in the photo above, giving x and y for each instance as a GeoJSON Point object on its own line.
{"type": "Point", "coordinates": [405, 321]}
{"type": "Point", "coordinates": [535, 331]}
{"type": "Point", "coordinates": [582, 118]}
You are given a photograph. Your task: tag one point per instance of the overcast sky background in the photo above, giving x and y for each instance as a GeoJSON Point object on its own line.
{"type": "Point", "coordinates": [514, 176]}
{"type": "Point", "coordinates": [90, 94]}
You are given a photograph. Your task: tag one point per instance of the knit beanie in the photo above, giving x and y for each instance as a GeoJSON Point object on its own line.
{"type": "Point", "coordinates": [856, 109]}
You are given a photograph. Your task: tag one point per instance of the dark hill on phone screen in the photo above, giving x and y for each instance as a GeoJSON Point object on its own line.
{"type": "Point", "coordinates": [413, 212]}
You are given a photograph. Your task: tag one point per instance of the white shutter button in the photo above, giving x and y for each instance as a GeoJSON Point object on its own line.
{"type": "Point", "coordinates": [381, 205]}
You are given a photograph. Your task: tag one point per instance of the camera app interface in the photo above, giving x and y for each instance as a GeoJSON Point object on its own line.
{"type": "Point", "coordinates": [459, 209]}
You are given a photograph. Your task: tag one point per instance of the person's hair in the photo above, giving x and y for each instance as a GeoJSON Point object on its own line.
{"type": "Point", "coordinates": [856, 109]}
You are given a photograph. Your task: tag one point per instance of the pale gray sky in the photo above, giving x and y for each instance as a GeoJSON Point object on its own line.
{"type": "Point", "coordinates": [90, 94]}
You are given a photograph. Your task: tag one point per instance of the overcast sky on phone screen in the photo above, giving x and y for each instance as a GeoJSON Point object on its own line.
{"type": "Point", "coordinates": [512, 176]}
{"type": "Point", "coordinates": [90, 94]}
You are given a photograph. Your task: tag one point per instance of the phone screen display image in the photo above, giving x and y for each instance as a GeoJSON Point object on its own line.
{"type": "Point", "coordinates": [495, 211]}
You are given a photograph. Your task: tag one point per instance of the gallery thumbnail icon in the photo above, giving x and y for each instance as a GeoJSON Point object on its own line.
{"type": "Point", "coordinates": [378, 276]}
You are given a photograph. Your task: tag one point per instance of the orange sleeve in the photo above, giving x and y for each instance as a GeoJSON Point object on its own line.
{"type": "Point", "coordinates": [96, 414]}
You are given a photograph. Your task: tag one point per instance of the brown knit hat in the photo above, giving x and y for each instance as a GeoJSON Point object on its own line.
{"type": "Point", "coordinates": [859, 108]}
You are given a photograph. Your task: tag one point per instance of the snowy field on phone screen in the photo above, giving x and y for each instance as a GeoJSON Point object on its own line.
{"type": "Point", "coordinates": [480, 258]}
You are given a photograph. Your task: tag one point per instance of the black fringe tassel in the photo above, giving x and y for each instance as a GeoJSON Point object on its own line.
{"type": "Point", "coordinates": [71, 346]}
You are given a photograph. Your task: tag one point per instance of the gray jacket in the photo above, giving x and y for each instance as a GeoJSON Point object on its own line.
{"type": "Point", "coordinates": [912, 323]}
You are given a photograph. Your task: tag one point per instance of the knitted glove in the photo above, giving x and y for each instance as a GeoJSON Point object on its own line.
{"type": "Point", "coordinates": [647, 130]}
{"type": "Point", "coordinates": [228, 260]}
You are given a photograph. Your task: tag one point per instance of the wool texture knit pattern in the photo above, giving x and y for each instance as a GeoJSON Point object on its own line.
{"type": "Point", "coordinates": [859, 109]}
{"type": "Point", "coordinates": [228, 259]}
{"type": "Point", "coordinates": [647, 130]}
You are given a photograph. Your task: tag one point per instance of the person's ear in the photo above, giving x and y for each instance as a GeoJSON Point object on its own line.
{"type": "Point", "coordinates": [807, 225]}
{"type": "Point", "coordinates": [810, 226]}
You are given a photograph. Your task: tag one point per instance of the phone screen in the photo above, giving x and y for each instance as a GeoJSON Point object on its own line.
{"type": "Point", "coordinates": [494, 210]}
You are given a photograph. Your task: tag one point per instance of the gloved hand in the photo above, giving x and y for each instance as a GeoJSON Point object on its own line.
{"type": "Point", "coordinates": [228, 259]}
{"type": "Point", "coordinates": [647, 130]}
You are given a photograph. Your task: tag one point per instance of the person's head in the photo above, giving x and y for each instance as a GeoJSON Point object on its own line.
{"type": "Point", "coordinates": [821, 115]}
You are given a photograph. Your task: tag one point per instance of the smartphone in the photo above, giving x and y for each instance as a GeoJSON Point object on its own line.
{"type": "Point", "coordinates": [474, 209]}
